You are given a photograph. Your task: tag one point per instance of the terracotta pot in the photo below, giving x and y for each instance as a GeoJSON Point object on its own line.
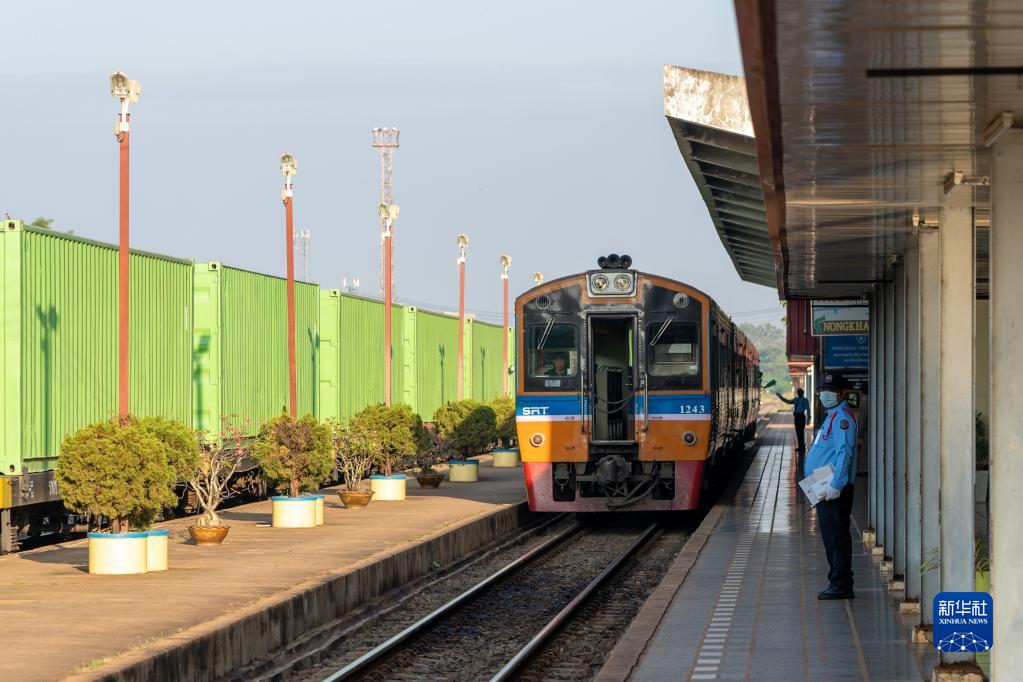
{"type": "Point", "coordinates": [355, 499]}
{"type": "Point", "coordinates": [208, 535]}
{"type": "Point", "coordinates": [430, 480]}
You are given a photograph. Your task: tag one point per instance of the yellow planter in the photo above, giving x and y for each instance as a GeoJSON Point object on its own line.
{"type": "Point", "coordinates": [506, 459]}
{"type": "Point", "coordinates": [319, 508]}
{"type": "Point", "coordinates": [294, 512]}
{"type": "Point", "coordinates": [463, 471]}
{"type": "Point", "coordinates": [118, 553]}
{"type": "Point", "coordinates": [388, 488]}
{"type": "Point", "coordinates": [156, 550]}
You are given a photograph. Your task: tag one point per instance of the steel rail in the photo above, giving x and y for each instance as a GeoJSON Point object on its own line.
{"type": "Point", "coordinates": [362, 664]}
{"type": "Point", "coordinates": [526, 653]}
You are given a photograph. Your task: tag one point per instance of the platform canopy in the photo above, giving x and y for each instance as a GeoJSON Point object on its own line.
{"type": "Point", "coordinates": [861, 109]}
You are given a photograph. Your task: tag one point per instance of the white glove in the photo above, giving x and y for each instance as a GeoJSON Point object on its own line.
{"type": "Point", "coordinates": [831, 493]}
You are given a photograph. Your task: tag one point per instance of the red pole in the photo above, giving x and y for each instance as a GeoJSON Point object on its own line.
{"type": "Point", "coordinates": [388, 277]}
{"type": "Point", "coordinates": [504, 340]}
{"type": "Point", "coordinates": [461, 320]}
{"type": "Point", "coordinates": [124, 256]}
{"type": "Point", "coordinates": [290, 249]}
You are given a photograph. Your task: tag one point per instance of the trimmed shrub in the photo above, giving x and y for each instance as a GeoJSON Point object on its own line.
{"type": "Point", "coordinates": [504, 410]}
{"type": "Point", "coordinates": [355, 450]}
{"type": "Point", "coordinates": [397, 429]}
{"type": "Point", "coordinates": [296, 455]}
{"type": "Point", "coordinates": [180, 441]}
{"type": "Point", "coordinates": [469, 425]}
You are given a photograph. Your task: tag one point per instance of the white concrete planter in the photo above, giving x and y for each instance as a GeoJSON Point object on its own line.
{"type": "Point", "coordinates": [156, 550]}
{"type": "Point", "coordinates": [388, 488]}
{"type": "Point", "coordinates": [463, 470]}
{"type": "Point", "coordinates": [118, 553]}
{"type": "Point", "coordinates": [319, 508]}
{"type": "Point", "coordinates": [506, 459]}
{"type": "Point", "coordinates": [294, 512]}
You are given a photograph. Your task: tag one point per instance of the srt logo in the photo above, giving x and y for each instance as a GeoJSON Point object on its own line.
{"type": "Point", "coordinates": [534, 411]}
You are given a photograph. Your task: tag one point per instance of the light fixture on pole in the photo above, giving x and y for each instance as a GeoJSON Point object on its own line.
{"type": "Point", "coordinates": [463, 244]}
{"type": "Point", "coordinates": [388, 214]}
{"type": "Point", "coordinates": [124, 90]}
{"type": "Point", "coordinates": [506, 261]}
{"type": "Point", "coordinates": [537, 278]}
{"type": "Point", "coordinates": [303, 236]}
{"type": "Point", "coordinates": [289, 169]}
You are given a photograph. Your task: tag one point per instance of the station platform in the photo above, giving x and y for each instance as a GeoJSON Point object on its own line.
{"type": "Point", "coordinates": [740, 601]}
{"type": "Point", "coordinates": [219, 606]}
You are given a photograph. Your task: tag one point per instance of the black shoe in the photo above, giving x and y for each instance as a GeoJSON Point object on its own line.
{"type": "Point", "coordinates": [835, 593]}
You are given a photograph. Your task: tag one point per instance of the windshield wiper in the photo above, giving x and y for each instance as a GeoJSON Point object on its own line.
{"type": "Point", "coordinates": [660, 332]}
{"type": "Point", "coordinates": [546, 333]}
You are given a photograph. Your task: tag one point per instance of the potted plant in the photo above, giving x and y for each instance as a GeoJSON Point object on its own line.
{"type": "Point", "coordinates": [219, 459]}
{"type": "Point", "coordinates": [439, 450]}
{"type": "Point", "coordinates": [295, 456]}
{"type": "Point", "coordinates": [507, 456]}
{"type": "Point", "coordinates": [471, 427]}
{"type": "Point", "coordinates": [400, 434]}
{"type": "Point", "coordinates": [118, 470]}
{"type": "Point", "coordinates": [354, 453]}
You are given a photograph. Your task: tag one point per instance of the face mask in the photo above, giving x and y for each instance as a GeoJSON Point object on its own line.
{"type": "Point", "coordinates": [828, 398]}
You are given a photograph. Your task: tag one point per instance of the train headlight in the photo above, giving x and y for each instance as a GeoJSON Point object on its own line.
{"type": "Point", "coordinates": [689, 438]}
{"type": "Point", "coordinates": [600, 283]}
{"type": "Point", "coordinates": [536, 440]}
{"type": "Point", "coordinates": [623, 282]}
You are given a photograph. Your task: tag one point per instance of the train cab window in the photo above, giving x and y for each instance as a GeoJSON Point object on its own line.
{"type": "Point", "coordinates": [552, 356]}
{"type": "Point", "coordinates": [673, 355]}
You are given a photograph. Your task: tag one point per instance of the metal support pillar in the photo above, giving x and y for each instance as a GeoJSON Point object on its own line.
{"type": "Point", "coordinates": [1006, 437]}
{"type": "Point", "coordinates": [956, 395]}
{"type": "Point", "coordinates": [930, 465]}
{"type": "Point", "coordinates": [889, 422]}
{"type": "Point", "coordinates": [912, 427]}
{"type": "Point", "coordinates": [882, 453]}
{"type": "Point", "coordinates": [898, 549]}
{"type": "Point", "coordinates": [872, 429]}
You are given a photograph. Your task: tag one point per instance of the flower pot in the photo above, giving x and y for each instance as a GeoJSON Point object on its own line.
{"type": "Point", "coordinates": [208, 535]}
{"type": "Point", "coordinates": [506, 459]}
{"type": "Point", "coordinates": [388, 488]}
{"type": "Point", "coordinates": [463, 470]}
{"type": "Point", "coordinates": [355, 499]}
{"type": "Point", "coordinates": [430, 479]}
{"type": "Point", "coordinates": [294, 512]}
{"type": "Point", "coordinates": [319, 507]}
{"type": "Point", "coordinates": [156, 550]}
{"type": "Point", "coordinates": [118, 553]}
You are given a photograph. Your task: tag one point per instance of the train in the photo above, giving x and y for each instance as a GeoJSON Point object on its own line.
{"type": "Point", "coordinates": [631, 390]}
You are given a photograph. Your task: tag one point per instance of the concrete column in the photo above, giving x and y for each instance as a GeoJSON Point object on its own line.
{"type": "Point", "coordinates": [870, 534]}
{"type": "Point", "coordinates": [930, 466]}
{"type": "Point", "coordinates": [882, 453]}
{"type": "Point", "coordinates": [913, 551]}
{"type": "Point", "coordinates": [1006, 433]}
{"type": "Point", "coordinates": [889, 423]}
{"type": "Point", "coordinates": [955, 395]}
{"type": "Point", "coordinates": [898, 549]}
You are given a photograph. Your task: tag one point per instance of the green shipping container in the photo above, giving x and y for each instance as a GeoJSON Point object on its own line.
{"type": "Point", "coordinates": [241, 346]}
{"type": "Point", "coordinates": [487, 362]}
{"type": "Point", "coordinates": [59, 340]}
{"type": "Point", "coordinates": [437, 361]}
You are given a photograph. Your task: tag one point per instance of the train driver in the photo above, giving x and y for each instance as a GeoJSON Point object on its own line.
{"type": "Point", "coordinates": [835, 444]}
{"type": "Point", "coordinates": [559, 360]}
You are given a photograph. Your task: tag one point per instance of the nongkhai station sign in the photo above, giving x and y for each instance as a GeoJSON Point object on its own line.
{"type": "Point", "coordinates": [839, 318]}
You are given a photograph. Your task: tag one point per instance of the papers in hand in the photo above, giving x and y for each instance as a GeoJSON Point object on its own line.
{"type": "Point", "coordinates": [813, 486]}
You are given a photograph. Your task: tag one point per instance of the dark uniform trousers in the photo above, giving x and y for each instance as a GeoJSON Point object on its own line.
{"type": "Point", "coordinates": [833, 518]}
{"type": "Point", "coordinates": [800, 419]}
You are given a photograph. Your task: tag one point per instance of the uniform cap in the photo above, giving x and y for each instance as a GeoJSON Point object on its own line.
{"type": "Point", "coordinates": [833, 381]}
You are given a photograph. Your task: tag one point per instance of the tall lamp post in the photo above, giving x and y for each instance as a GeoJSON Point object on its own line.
{"type": "Point", "coordinates": [537, 278]}
{"type": "Point", "coordinates": [126, 91]}
{"type": "Point", "coordinates": [389, 214]}
{"type": "Point", "coordinates": [463, 243]}
{"type": "Point", "coordinates": [289, 168]}
{"type": "Point", "coordinates": [505, 264]}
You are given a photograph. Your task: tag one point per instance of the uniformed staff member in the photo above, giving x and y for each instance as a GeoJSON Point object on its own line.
{"type": "Point", "coordinates": [835, 444]}
{"type": "Point", "coordinates": [800, 413]}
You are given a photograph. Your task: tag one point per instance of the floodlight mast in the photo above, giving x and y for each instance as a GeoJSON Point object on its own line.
{"type": "Point", "coordinates": [288, 169]}
{"type": "Point", "coordinates": [388, 214]}
{"type": "Point", "coordinates": [537, 278]}
{"type": "Point", "coordinates": [463, 244]}
{"type": "Point", "coordinates": [124, 90]}
{"type": "Point", "coordinates": [505, 264]}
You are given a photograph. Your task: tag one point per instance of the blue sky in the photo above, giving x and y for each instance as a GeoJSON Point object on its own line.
{"type": "Point", "coordinates": [535, 127]}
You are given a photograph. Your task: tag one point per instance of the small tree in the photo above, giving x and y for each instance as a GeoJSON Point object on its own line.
{"type": "Point", "coordinates": [439, 450]}
{"type": "Point", "coordinates": [181, 444]}
{"type": "Point", "coordinates": [219, 459]}
{"type": "Point", "coordinates": [470, 425]}
{"type": "Point", "coordinates": [117, 469]}
{"type": "Point", "coordinates": [504, 411]}
{"type": "Point", "coordinates": [295, 454]}
{"type": "Point", "coordinates": [398, 430]}
{"type": "Point", "coordinates": [354, 452]}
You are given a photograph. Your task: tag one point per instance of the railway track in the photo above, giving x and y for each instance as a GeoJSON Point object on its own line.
{"type": "Point", "coordinates": [550, 613]}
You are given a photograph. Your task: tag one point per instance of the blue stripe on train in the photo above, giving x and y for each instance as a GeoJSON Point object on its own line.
{"type": "Point", "coordinates": [564, 405]}
{"type": "Point", "coordinates": [676, 404]}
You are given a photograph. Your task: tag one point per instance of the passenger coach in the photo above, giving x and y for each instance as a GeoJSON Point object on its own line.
{"type": "Point", "coordinates": [630, 388]}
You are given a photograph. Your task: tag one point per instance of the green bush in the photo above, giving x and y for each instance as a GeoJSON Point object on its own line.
{"type": "Point", "coordinates": [471, 426]}
{"type": "Point", "coordinates": [118, 469]}
{"type": "Point", "coordinates": [296, 455]}
{"type": "Point", "coordinates": [180, 441]}
{"type": "Point", "coordinates": [398, 430]}
{"type": "Point", "coordinates": [504, 410]}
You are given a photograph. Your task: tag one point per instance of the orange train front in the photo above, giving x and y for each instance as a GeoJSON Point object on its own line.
{"type": "Point", "coordinates": [630, 388]}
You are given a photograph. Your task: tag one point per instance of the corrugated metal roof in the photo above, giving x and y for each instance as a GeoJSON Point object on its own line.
{"type": "Point", "coordinates": [709, 117]}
